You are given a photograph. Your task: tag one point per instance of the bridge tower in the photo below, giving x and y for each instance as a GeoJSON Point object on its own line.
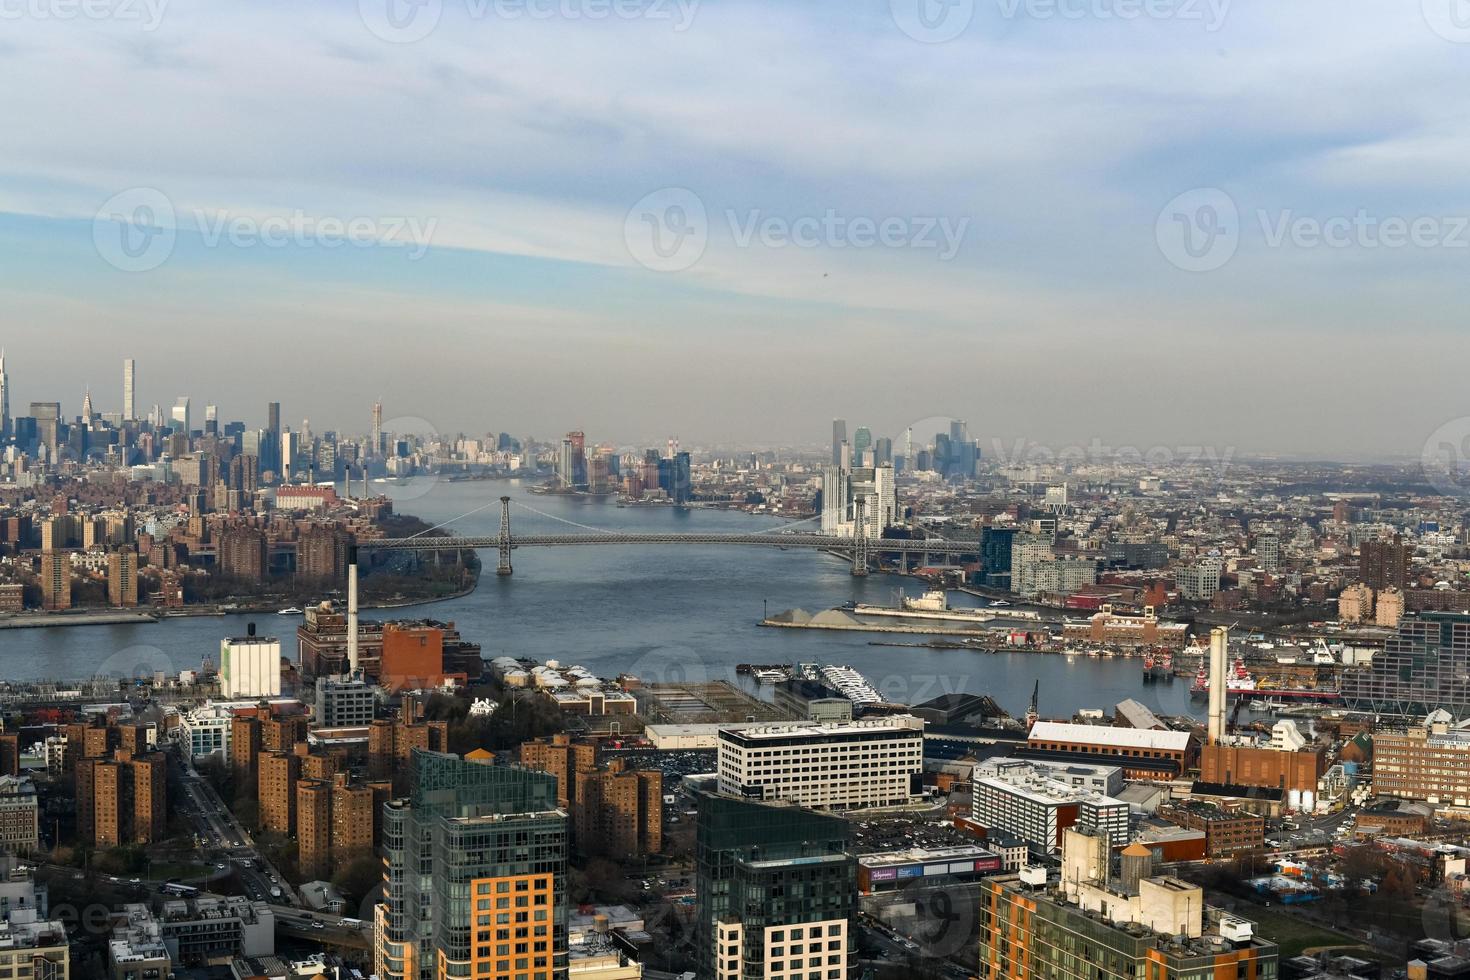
{"type": "Point", "coordinates": [503, 568]}
{"type": "Point", "coordinates": [860, 539]}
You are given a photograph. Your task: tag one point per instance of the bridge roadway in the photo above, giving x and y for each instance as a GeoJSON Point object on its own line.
{"type": "Point", "coordinates": [817, 542]}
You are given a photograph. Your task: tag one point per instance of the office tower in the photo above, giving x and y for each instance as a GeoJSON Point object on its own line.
{"type": "Point", "coordinates": [1384, 563]}
{"type": "Point", "coordinates": [270, 440]}
{"type": "Point", "coordinates": [48, 425]}
{"type": "Point", "coordinates": [130, 381]}
{"type": "Point", "coordinates": [475, 875]}
{"type": "Point", "coordinates": [55, 580]}
{"type": "Point", "coordinates": [674, 477]}
{"type": "Point", "coordinates": [180, 415]}
{"type": "Point", "coordinates": [839, 437]}
{"type": "Point", "coordinates": [377, 443]}
{"type": "Point", "coordinates": [826, 766]}
{"type": "Point", "coordinates": [775, 891]}
{"type": "Point", "coordinates": [862, 441]}
{"type": "Point", "coordinates": [88, 415]}
{"type": "Point", "coordinates": [211, 420]}
{"type": "Point", "coordinates": [883, 452]}
{"type": "Point", "coordinates": [289, 446]}
{"type": "Point", "coordinates": [122, 576]}
{"type": "Point", "coordinates": [4, 398]}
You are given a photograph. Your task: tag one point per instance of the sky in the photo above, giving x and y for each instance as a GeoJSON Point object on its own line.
{"type": "Point", "coordinates": [1239, 224]}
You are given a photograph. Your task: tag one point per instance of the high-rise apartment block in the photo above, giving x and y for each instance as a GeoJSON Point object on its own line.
{"type": "Point", "coordinates": [475, 874]}
{"type": "Point", "coordinates": [776, 891]}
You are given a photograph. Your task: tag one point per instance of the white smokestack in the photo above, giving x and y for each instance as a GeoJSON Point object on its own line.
{"type": "Point", "coordinates": [352, 610]}
{"type": "Point", "coordinates": [1219, 649]}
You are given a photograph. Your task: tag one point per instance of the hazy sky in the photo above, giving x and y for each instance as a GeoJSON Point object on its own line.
{"type": "Point", "coordinates": [731, 221]}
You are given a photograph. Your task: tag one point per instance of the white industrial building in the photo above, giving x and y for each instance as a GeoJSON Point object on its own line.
{"type": "Point", "coordinates": [839, 766]}
{"type": "Point", "coordinates": [250, 667]}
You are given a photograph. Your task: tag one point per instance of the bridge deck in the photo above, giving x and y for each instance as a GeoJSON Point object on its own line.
{"type": "Point", "coordinates": [819, 542]}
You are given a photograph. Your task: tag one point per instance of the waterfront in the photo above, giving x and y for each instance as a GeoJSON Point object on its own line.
{"type": "Point", "coordinates": [663, 612]}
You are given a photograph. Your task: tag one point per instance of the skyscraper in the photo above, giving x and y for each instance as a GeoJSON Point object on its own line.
{"type": "Point", "coordinates": [377, 446]}
{"type": "Point", "coordinates": [4, 398]}
{"type": "Point", "coordinates": [180, 416]}
{"type": "Point", "coordinates": [839, 436]}
{"type": "Point", "coordinates": [130, 381]}
{"type": "Point", "coordinates": [776, 888]}
{"type": "Point", "coordinates": [475, 874]}
{"type": "Point", "coordinates": [862, 441]}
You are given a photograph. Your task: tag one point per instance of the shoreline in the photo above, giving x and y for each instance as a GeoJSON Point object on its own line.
{"type": "Point", "coordinates": [118, 617]}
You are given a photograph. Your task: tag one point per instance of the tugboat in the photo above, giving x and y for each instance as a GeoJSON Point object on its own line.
{"type": "Point", "coordinates": [1237, 682]}
{"type": "Point", "coordinates": [1158, 667]}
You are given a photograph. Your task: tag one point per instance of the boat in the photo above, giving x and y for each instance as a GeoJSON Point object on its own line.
{"type": "Point", "coordinates": [289, 611]}
{"type": "Point", "coordinates": [1158, 668]}
{"type": "Point", "coordinates": [999, 603]}
{"type": "Point", "coordinates": [770, 676]}
{"type": "Point", "coordinates": [1238, 681]}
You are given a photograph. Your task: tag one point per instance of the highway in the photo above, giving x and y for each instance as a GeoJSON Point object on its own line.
{"type": "Point", "coordinates": [222, 836]}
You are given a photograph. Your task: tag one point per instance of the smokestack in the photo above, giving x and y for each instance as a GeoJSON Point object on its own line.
{"type": "Point", "coordinates": [352, 610]}
{"type": "Point", "coordinates": [1219, 648]}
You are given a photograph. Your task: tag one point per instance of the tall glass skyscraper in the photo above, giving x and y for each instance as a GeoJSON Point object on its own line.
{"type": "Point", "coordinates": [776, 891]}
{"type": "Point", "coordinates": [475, 869]}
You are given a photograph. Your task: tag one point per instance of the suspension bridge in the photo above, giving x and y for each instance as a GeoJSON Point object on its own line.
{"type": "Point", "coordinates": [861, 549]}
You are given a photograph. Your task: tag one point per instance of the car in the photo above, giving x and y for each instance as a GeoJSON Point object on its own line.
{"type": "Point", "coordinates": [317, 925]}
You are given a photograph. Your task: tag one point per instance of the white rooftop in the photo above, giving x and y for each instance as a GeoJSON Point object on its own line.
{"type": "Point", "coordinates": [1132, 738]}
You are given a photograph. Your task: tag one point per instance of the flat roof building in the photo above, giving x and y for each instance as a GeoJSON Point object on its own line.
{"type": "Point", "coordinates": [842, 766]}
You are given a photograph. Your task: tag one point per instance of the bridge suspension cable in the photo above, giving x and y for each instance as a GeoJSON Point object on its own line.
{"type": "Point", "coordinates": [563, 520]}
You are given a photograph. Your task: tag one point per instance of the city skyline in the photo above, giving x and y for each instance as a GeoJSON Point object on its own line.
{"type": "Point", "coordinates": [1060, 271]}
{"type": "Point", "coordinates": [1016, 445]}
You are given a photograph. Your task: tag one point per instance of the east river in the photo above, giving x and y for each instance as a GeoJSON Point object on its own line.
{"type": "Point", "coordinates": [661, 612]}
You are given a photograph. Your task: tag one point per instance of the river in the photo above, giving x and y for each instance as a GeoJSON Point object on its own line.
{"type": "Point", "coordinates": [662, 612]}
